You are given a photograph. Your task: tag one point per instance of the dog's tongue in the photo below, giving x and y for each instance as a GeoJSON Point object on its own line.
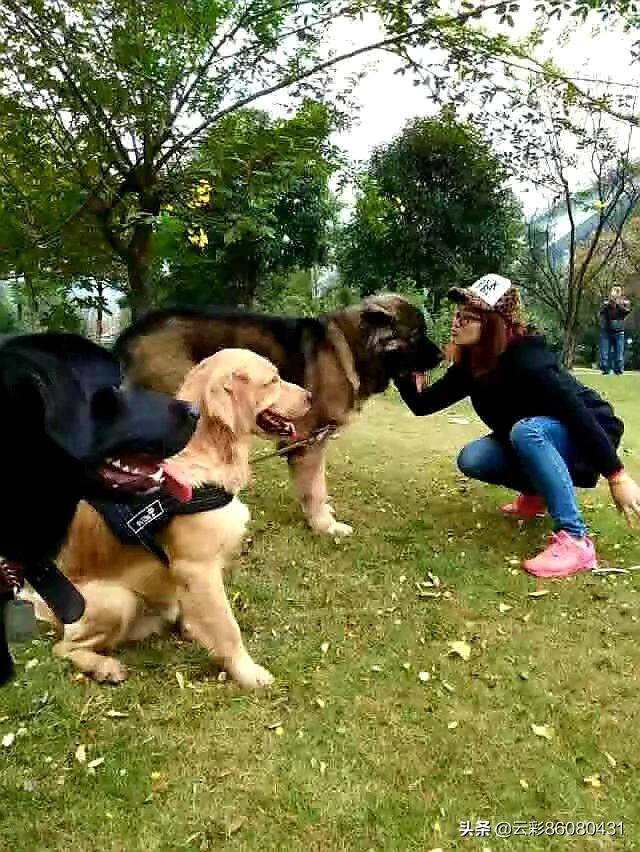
{"type": "Point", "coordinates": [175, 483]}
{"type": "Point", "coordinates": [420, 381]}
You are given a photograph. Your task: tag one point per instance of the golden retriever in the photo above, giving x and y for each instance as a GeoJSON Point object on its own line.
{"type": "Point", "coordinates": [129, 594]}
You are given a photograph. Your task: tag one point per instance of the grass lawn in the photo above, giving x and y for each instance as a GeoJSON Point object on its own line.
{"type": "Point", "coordinates": [354, 748]}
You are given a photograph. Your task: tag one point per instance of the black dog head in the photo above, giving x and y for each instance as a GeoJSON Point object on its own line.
{"type": "Point", "coordinates": [66, 416]}
{"type": "Point", "coordinates": [399, 332]}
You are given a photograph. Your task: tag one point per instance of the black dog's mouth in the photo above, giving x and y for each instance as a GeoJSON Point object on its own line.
{"type": "Point", "coordinates": [274, 424]}
{"type": "Point", "coordinates": [137, 475]}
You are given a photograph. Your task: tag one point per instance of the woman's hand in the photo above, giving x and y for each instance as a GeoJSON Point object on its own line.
{"type": "Point", "coordinates": [625, 492]}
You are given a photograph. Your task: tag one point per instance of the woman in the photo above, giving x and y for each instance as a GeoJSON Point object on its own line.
{"type": "Point", "coordinates": [549, 432]}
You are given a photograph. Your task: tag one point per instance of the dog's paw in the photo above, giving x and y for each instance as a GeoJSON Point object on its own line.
{"type": "Point", "coordinates": [250, 675]}
{"type": "Point", "coordinates": [338, 529]}
{"type": "Point", "coordinates": [109, 670]}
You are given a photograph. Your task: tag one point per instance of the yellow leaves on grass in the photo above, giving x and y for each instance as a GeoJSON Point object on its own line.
{"type": "Point", "coordinates": [544, 731]}
{"type": "Point", "coordinates": [460, 649]}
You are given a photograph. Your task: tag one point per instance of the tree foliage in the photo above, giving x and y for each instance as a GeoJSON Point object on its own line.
{"type": "Point", "coordinates": [254, 203]}
{"type": "Point", "coordinates": [596, 189]}
{"type": "Point", "coordinates": [434, 209]}
{"type": "Point", "coordinates": [115, 96]}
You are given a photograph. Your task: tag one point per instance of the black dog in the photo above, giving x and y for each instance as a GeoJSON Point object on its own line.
{"type": "Point", "coordinates": [69, 431]}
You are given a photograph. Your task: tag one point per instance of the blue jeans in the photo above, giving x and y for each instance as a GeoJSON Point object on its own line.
{"type": "Point", "coordinates": [612, 351]}
{"type": "Point", "coordinates": [537, 459]}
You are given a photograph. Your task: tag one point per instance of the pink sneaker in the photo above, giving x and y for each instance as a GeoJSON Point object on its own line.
{"type": "Point", "coordinates": [564, 556]}
{"type": "Point", "coordinates": [525, 506]}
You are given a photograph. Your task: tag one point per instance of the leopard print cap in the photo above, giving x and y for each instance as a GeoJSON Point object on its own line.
{"type": "Point", "coordinates": [509, 305]}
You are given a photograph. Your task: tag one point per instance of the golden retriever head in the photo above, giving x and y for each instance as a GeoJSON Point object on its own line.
{"type": "Point", "coordinates": [244, 392]}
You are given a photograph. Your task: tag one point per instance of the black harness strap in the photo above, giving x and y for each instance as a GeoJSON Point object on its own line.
{"type": "Point", "coordinates": [136, 524]}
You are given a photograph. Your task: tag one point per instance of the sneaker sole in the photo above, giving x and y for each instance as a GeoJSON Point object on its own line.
{"type": "Point", "coordinates": [559, 576]}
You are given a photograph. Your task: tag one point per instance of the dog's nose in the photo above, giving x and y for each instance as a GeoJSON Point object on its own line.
{"type": "Point", "coordinates": [193, 410]}
{"type": "Point", "coordinates": [188, 410]}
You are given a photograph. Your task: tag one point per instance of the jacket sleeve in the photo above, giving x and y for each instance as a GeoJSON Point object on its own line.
{"type": "Point", "coordinates": [450, 388]}
{"type": "Point", "coordinates": [559, 394]}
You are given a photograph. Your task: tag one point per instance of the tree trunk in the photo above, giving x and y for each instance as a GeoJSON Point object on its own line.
{"type": "Point", "coordinates": [569, 346]}
{"type": "Point", "coordinates": [139, 258]}
{"type": "Point", "coordinates": [100, 312]}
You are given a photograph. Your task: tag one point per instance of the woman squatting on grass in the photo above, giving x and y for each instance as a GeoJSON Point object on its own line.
{"type": "Point", "coordinates": [550, 433]}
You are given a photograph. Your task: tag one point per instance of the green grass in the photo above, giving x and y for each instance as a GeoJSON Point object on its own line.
{"type": "Point", "coordinates": [351, 750]}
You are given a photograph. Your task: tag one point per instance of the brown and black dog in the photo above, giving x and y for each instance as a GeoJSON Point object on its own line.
{"type": "Point", "coordinates": [343, 358]}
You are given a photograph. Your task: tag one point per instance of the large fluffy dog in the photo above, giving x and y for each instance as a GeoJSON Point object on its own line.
{"type": "Point", "coordinates": [342, 358]}
{"type": "Point", "coordinates": [129, 594]}
{"type": "Point", "coordinates": [67, 431]}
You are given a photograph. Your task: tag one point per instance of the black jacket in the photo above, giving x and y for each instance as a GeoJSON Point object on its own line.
{"type": "Point", "coordinates": [529, 382]}
{"type": "Point", "coordinates": [613, 313]}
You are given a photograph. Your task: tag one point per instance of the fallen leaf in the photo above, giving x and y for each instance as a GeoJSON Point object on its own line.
{"type": "Point", "coordinates": [7, 740]}
{"type": "Point", "coordinates": [544, 731]}
{"type": "Point", "coordinates": [502, 608]}
{"type": "Point", "coordinates": [324, 647]}
{"type": "Point", "coordinates": [95, 763]}
{"type": "Point", "coordinates": [539, 593]}
{"type": "Point", "coordinates": [30, 664]}
{"type": "Point", "coordinates": [235, 825]}
{"type": "Point", "coordinates": [155, 775]}
{"type": "Point", "coordinates": [524, 784]}
{"type": "Point", "coordinates": [279, 731]}
{"type": "Point", "coordinates": [452, 725]}
{"type": "Point", "coordinates": [321, 703]}
{"type": "Point", "coordinates": [611, 760]}
{"type": "Point", "coordinates": [376, 668]}
{"type": "Point", "coordinates": [593, 781]}
{"type": "Point", "coordinates": [424, 676]}
{"type": "Point", "coordinates": [78, 677]}
{"type": "Point", "coordinates": [81, 754]}
{"type": "Point", "coordinates": [460, 649]}
{"type": "Point", "coordinates": [180, 679]}
{"type": "Point", "coordinates": [116, 714]}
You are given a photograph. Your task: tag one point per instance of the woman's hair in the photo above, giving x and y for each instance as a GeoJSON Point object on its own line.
{"type": "Point", "coordinates": [495, 336]}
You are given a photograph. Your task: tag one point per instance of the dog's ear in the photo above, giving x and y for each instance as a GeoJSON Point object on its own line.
{"type": "Point", "coordinates": [45, 397]}
{"type": "Point", "coordinates": [218, 400]}
{"type": "Point", "coordinates": [233, 401]}
{"type": "Point", "coordinates": [377, 314]}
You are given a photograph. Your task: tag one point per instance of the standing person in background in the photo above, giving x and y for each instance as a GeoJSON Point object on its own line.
{"type": "Point", "coordinates": [612, 317]}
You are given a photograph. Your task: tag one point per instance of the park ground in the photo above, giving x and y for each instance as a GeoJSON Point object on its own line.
{"type": "Point", "coordinates": [422, 679]}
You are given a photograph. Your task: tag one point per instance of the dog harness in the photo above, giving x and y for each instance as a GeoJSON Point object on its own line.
{"type": "Point", "coordinates": [139, 523]}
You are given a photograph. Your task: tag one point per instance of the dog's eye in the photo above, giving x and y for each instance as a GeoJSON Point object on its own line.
{"type": "Point", "coordinates": [105, 404]}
